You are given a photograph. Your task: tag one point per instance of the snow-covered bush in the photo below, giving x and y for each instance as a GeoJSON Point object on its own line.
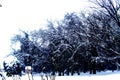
{"type": "Point", "coordinates": [12, 68]}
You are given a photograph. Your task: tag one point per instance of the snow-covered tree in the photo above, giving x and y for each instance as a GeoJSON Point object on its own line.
{"type": "Point", "coordinates": [78, 43]}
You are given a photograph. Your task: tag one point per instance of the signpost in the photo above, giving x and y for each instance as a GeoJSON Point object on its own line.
{"type": "Point", "coordinates": [28, 70]}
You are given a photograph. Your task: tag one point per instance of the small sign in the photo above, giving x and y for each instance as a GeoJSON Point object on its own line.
{"type": "Point", "coordinates": [28, 69]}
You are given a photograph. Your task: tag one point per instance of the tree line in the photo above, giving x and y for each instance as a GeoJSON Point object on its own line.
{"type": "Point", "coordinates": [81, 42]}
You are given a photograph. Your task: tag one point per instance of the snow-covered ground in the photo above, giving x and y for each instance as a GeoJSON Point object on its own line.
{"type": "Point", "coordinates": [108, 75]}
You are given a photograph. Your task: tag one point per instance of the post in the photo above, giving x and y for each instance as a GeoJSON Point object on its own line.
{"type": "Point", "coordinates": [0, 5]}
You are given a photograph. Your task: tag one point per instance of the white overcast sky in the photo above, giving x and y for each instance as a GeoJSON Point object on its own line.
{"type": "Point", "coordinates": [30, 15]}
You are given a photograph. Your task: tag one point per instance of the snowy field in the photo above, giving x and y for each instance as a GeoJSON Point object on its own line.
{"type": "Point", "coordinates": [99, 76]}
